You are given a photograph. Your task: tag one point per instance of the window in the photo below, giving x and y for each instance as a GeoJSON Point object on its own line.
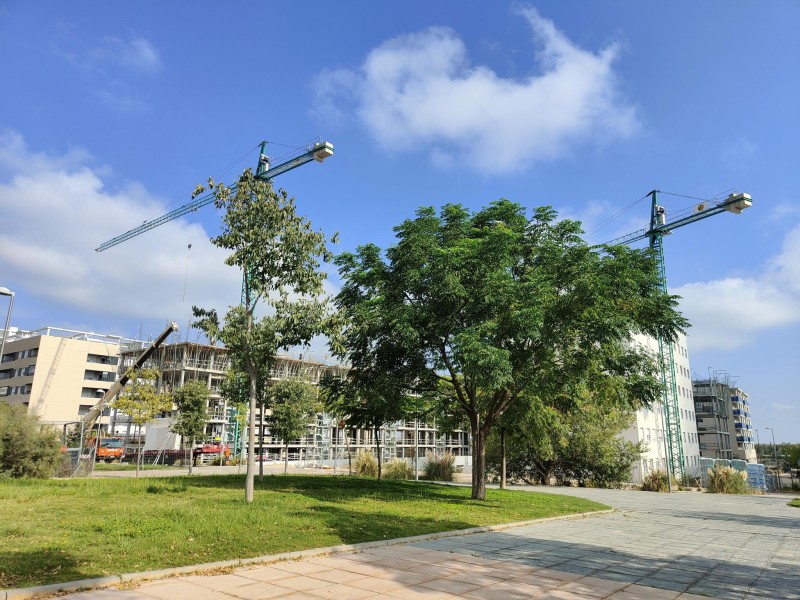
{"type": "Point", "coordinates": [102, 359]}
{"type": "Point", "coordinates": [88, 392]}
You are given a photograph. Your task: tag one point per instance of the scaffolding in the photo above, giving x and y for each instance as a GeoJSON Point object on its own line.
{"type": "Point", "coordinates": [326, 440]}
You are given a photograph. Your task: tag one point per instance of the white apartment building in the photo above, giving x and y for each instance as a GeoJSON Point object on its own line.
{"type": "Point", "coordinates": [650, 424]}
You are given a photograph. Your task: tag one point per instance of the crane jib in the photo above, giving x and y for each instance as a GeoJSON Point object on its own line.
{"type": "Point", "coordinates": [318, 152]}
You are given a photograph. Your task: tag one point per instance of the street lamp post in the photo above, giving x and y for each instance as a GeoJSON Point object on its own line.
{"type": "Point", "coordinates": [758, 443]}
{"type": "Point", "coordinates": [775, 454]}
{"type": "Point", "coordinates": [4, 291]}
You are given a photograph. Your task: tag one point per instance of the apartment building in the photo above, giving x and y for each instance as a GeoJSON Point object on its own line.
{"type": "Point", "coordinates": [723, 420]}
{"type": "Point", "coordinates": [650, 424]}
{"type": "Point", "coordinates": [713, 409]}
{"type": "Point", "coordinates": [59, 374]}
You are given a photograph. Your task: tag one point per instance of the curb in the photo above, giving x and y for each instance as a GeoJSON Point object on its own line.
{"type": "Point", "coordinates": [141, 576]}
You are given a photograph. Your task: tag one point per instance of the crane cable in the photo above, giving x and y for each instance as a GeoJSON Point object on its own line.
{"type": "Point", "coordinates": [616, 215]}
{"type": "Point", "coordinates": [182, 198]}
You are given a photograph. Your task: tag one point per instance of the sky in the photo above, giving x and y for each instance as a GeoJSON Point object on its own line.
{"type": "Point", "coordinates": [113, 112]}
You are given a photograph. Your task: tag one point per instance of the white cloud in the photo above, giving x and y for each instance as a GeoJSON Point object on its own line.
{"type": "Point", "coordinates": [728, 313]}
{"type": "Point", "coordinates": [137, 54]}
{"type": "Point", "coordinates": [421, 90]}
{"type": "Point", "coordinates": [54, 217]}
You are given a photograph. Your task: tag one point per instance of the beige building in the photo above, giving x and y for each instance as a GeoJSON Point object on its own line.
{"type": "Point", "coordinates": [59, 374]}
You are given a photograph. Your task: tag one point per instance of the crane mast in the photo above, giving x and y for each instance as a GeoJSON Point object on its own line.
{"type": "Point", "coordinates": [659, 227]}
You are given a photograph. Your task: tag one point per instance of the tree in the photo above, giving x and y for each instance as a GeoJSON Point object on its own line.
{"type": "Point", "coordinates": [582, 445]}
{"type": "Point", "coordinates": [367, 399]}
{"type": "Point", "coordinates": [500, 308]}
{"type": "Point", "coordinates": [142, 402]}
{"type": "Point", "coordinates": [280, 256]}
{"type": "Point", "coordinates": [191, 400]}
{"type": "Point", "coordinates": [27, 448]}
{"type": "Point", "coordinates": [293, 403]}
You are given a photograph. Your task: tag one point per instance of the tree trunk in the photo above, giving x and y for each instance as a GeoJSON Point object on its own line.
{"type": "Point", "coordinates": [251, 434]}
{"type": "Point", "coordinates": [286, 460]}
{"type": "Point", "coordinates": [138, 448]}
{"type": "Point", "coordinates": [502, 458]}
{"type": "Point", "coordinates": [191, 456]}
{"type": "Point", "coordinates": [349, 455]}
{"type": "Point", "coordinates": [478, 459]}
{"type": "Point", "coordinates": [378, 449]}
{"type": "Point", "coordinates": [261, 446]}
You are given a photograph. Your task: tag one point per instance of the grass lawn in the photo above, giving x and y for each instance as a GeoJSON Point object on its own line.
{"type": "Point", "coordinates": [65, 530]}
{"type": "Point", "coordinates": [116, 466]}
{"type": "Point", "coordinates": [795, 502]}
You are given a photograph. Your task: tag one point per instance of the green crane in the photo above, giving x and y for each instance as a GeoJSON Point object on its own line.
{"type": "Point", "coordinates": [659, 227]}
{"type": "Point", "coordinates": [318, 151]}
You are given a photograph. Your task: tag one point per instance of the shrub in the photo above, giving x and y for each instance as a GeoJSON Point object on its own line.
{"type": "Point", "coordinates": [398, 469]}
{"type": "Point", "coordinates": [440, 468]}
{"type": "Point", "coordinates": [727, 480]}
{"type": "Point", "coordinates": [27, 449]}
{"type": "Point", "coordinates": [366, 465]}
{"type": "Point", "coordinates": [655, 481]}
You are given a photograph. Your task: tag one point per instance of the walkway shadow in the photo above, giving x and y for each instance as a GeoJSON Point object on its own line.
{"type": "Point", "coordinates": [701, 575]}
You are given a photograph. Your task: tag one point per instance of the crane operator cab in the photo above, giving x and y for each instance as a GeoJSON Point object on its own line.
{"type": "Point", "coordinates": [661, 216]}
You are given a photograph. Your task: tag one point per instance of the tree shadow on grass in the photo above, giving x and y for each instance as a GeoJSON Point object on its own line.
{"type": "Point", "coordinates": [356, 526]}
{"type": "Point", "coordinates": [327, 488]}
{"type": "Point", "coordinates": [29, 568]}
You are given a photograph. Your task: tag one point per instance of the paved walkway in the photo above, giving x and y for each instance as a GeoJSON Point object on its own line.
{"type": "Point", "coordinates": [657, 546]}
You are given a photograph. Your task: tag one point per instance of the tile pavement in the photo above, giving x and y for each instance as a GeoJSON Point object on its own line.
{"type": "Point", "coordinates": [655, 547]}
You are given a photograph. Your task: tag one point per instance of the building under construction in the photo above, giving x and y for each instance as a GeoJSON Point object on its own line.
{"type": "Point", "coordinates": [723, 420]}
{"type": "Point", "coordinates": [326, 440]}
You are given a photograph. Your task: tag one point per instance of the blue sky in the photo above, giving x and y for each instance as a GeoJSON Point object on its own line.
{"type": "Point", "coordinates": [112, 112]}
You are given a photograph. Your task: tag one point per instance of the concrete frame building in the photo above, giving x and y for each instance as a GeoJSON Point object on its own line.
{"type": "Point", "coordinates": [650, 427]}
{"type": "Point", "coordinates": [723, 420]}
{"type": "Point", "coordinates": [325, 440]}
{"type": "Point", "coordinates": [59, 374]}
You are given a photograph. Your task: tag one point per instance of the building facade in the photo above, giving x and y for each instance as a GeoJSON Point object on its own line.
{"type": "Point", "coordinates": [327, 439]}
{"type": "Point", "coordinates": [59, 374]}
{"type": "Point", "coordinates": [725, 425]}
{"type": "Point", "coordinates": [713, 409]}
{"type": "Point", "coordinates": [650, 425]}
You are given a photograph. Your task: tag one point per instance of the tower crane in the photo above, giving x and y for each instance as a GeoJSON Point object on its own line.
{"type": "Point", "coordinates": [659, 227]}
{"type": "Point", "coordinates": [318, 151]}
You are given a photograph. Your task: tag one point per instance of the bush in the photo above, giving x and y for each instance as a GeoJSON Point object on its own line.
{"type": "Point", "coordinates": [727, 480]}
{"type": "Point", "coordinates": [366, 465]}
{"type": "Point", "coordinates": [398, 469]}
{"type": "Point", "coordinates": [27, 449]}
{"type": "Point", "coordinates": [655, 481]}
{"type": "Point", "coordinates": [440, 468]}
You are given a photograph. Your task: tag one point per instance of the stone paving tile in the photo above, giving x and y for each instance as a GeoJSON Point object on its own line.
{"type": "Point", "coordinates": [640, 592]}
{"type": "Point", "coordinates": [177, 589]}
{"type": "Point", "coordinates": [106, 594]}
{"type": "Point", "coordinates": [260, 591]}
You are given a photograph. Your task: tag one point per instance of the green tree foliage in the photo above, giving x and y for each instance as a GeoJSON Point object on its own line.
{"type": "Point", "coordinates": [501, 309]}
{"type": "Point", "coordinates": [368, 399]}
{"type": "Point", "coordinates": [142, 402]}
{"type": "Point", "coordinates": [27, 449]}
{"type": "Point", "coordinates": [280, 258]}
{"type": "Point", "coordinates": [294, 403]}
{"type": "Point", "coordinates": [582, 445]}
{"type": "Point", "coordinates": [191, 400]}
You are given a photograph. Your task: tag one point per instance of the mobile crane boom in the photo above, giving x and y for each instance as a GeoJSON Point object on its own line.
{"type": "Point", "coordinates": [103, 403]}
{"type": "Point", "coordinates": [318, 151]}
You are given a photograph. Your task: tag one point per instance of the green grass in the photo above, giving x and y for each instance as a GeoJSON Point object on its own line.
{"type": "Point", "coordinates": [116, 466]}
{"type": "Point", "coordinates": [795, 502]}
{"type": "Point", "coordinates": [64, 530]}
